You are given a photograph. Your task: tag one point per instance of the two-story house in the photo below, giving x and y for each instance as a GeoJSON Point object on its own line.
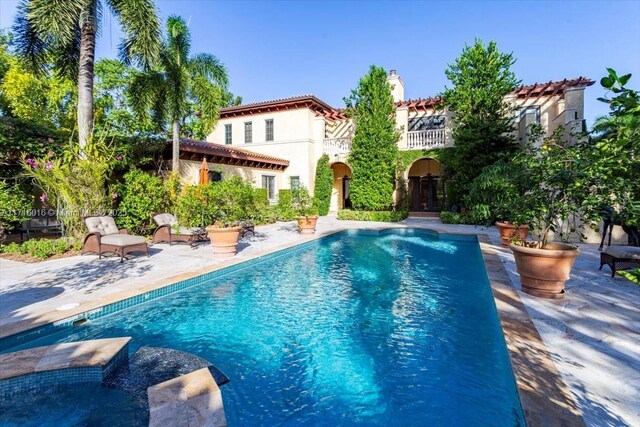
{"type": "Point", "coordinates": [277, 144]}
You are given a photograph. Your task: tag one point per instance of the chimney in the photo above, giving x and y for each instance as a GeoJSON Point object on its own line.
{"type": "Point", "coordinates": [397, 87]}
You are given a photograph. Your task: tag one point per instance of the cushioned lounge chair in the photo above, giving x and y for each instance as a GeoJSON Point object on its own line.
{"type": "Point", "coordinates": [105, 237]}
{"type": "Point", "coordinates": [168, 231]}
{"type": "Point", "coordinates": [620, 258]}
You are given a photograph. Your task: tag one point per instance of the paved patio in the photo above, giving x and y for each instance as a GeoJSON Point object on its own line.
{"type": "Point", "coordinates": [593, 334]}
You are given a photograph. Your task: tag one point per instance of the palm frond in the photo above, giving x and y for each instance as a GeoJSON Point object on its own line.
{"type": "Point", "coordinates": [29, 44]}
{"type": "Point", "coordinates": [66, 58]}
{"type": "Point", "coordinates": [210, 67]}
{"type": "Point", "coordinates": [146, 93]}
{"type": "Point", "coordinates": [58, 18]}
{"type": "Point", "coordinates": [208, 96]}
{"type": "Point", "coordinates": [178, 40]}
{"type": "Point", "coordinates": [141, 26]}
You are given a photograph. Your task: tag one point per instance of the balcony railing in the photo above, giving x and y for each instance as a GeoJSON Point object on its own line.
{"type": "Point", "coordinates": [337, 145]}
{"type": "Point", "coordinates": [421, 139]}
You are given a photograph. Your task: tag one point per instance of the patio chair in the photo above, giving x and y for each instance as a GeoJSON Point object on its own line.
{"type": "Point", "coordinates": [620, 258]}
{"type": "Point", "coordinates": [105, 237]}
{"type": "Point", "coordinates": [168, 231]}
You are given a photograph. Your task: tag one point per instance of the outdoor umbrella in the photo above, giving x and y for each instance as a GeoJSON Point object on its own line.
{"type": "Point", "coordinates": [204, 172]}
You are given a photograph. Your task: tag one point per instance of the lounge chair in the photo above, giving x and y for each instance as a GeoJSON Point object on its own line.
{"type": "Point", "coordinates": [105, 237]}
{"type": "Point", "coordinates": [620, 258]}
{"type": "Point", "coordinates": [168, 231]}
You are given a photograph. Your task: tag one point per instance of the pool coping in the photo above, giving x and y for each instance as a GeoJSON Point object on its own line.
{"type": "Point", "coordinates": [544, 396]}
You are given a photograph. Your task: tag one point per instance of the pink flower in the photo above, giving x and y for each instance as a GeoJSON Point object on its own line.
{"type": "Point", "coordinates": [30, 162]}
{"type": "Point", "coordinates": [48, 166]}
{"type": "Point", "coordinates": [44, 197]}
{"type": "Point", "coordinates": [118, 157]}
{"type": "Point", "coordinates": [114, 195]}
{"type": "Point", "coordinates": [51, 154]}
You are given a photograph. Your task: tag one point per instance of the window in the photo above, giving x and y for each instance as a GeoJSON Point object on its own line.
{"type": "Point", "coordinates": [269, 182]}
{"type": "Point", "coordinates": [534, 111]}
{"type": "Point", "coordinates": [215, 176]}
{"type": "Point", "coordinates": [268, 129]}
{"type": "Point", "coordinates": [227, 134]}
{"type": "Point", "coordinates": [248, 132]}
{"type": "Point", "coordinates": [295, 182]}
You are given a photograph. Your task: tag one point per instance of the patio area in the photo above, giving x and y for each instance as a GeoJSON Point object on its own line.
{"type": "Point", "coordinates": [593, 334]}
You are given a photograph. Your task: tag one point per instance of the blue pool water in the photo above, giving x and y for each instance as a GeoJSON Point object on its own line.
{"type": "Point", "coordinates": [353, 329]}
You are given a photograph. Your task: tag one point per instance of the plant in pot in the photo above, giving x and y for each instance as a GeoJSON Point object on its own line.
{"type": "Point", "coordinates": [306, 210]}
{"type": "Point", "coordinates": [555, 166]}
{"type": "Point", "coordinates": [229, 202]}
{"type": "Point", "coordinates": [492, 196]}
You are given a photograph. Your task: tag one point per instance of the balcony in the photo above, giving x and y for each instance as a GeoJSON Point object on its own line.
{"type": "Point", "coordinates": [337, 145]}
{"type": "Point", "coordinates": [426, 139]}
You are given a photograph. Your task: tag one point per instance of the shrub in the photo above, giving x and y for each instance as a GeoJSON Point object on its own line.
{"type": "Point", "coordinates": [302, 203]}
{"type": "Point", "coordinates": [455, 218]}
{"type": "Point", "coordinates": [323, 185]}
{"type": "Point", "coordinates": [190, 206]}
{"type": "Point", "coordinates": [374, 150]}
{"type": "Point", "coordinates": [39, 248]}
{"type": "Point", "coordinates": [380, 216]}
{"type": "Point", "coordinates": [142, 195]}
{"type": "Point", "coordinates": [284, 207]}
{"type": "Point", "coordinates": [14, 205]}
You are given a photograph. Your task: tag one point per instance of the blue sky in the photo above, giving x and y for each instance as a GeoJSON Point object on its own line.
{"type": "Point", "coordinates": [286, 48]}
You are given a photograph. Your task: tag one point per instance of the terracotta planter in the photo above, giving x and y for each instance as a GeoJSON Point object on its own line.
{"type": "Point", "coordinates": [543, 272]}
{"type": "Point", "coordinates": [507, 230]}
{"type": "Point", "coordinates": [224, 241]}
{"type": "Point", "coordinates": [307, 224]}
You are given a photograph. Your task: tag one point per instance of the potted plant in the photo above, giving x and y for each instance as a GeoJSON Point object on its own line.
{"type": "Point", "coordinates": [229, 203]}
{"type": "Point", "coordinates": [493, 195]}
{"type": "Point", "coordinates": [306, 210]}
{"type": "Point", "coordinates": [552, 203]}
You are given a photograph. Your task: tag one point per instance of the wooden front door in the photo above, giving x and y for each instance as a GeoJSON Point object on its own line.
{"type": "Point", "coordinates": [424, 193]}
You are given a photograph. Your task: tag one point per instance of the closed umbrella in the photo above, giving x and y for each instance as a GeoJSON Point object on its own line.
{"type": "Point", "coordinates": [204, 172]}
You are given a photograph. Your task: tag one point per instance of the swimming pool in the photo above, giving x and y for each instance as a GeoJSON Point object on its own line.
{"type": "Point", "coordinates": [359, 328]}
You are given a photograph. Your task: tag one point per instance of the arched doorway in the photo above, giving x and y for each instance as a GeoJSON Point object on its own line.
{"type": "Point", "coordinates": [424, 185]}
{"type": "Point", "coordinates": [340, 194]}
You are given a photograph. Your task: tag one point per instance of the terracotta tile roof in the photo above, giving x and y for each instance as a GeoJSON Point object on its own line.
{"type": "Point", "coordinates": [283, 104]}
{"type": "Point", "coordinates": [551, 87]}
{"type": "Point", "coordinates": [323, 109]}
{"type": "Point", "coordinates": [216, 153]}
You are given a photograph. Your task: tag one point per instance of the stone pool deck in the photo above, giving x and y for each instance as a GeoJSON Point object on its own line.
{"type": "Point", "coordinates": [592, 335]}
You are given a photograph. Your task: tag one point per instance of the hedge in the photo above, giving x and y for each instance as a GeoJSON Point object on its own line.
{"type": "Point", "coordinates": [324, 185]}
{"type": "Point", "coordinates": [380, 216]}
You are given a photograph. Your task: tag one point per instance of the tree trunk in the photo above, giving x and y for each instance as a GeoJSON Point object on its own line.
{"type": "Point", "coordinates": [175, 160]}
{"type": "Point", "coordinates": [85, 84]}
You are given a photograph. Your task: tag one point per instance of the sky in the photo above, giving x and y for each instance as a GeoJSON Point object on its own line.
{"type": "Point", "coordinates": [278, 49]}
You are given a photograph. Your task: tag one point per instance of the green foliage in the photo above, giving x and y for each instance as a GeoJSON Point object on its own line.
{"type": "Point", "coordinates": [455, 218]}
{"type": "Point", "coordinates": [224, 204]}
{"type": "Point", "coordinates": [141, 196]}
{"type": "Point", "coordinates": [374, 151]}
{"type": "Point", "coordinates": [182, 86]}
{"type": "Point", "coordinates": [613, 167]}
{"type": "Point", "coordinates": [406, 157]}
{"type": "Point", "coordinates": [633, 275]}
{"type": "Point", "coordinates": [493, 193]}
{"type": "Point", "coordinates": [39, 248]}
{"type": "Point", "coordinates": [261, 197]}
{"type": "Point", "coordinates": [285, 208]}
{"type": "Point", "coordinates": [483, 128]}
{"type": "Point", "coordinates": [75, 183]}
{"type": "Point", "coordinates": [14, 207]}
{"type": "Point", "coordinates": [379, 216]}
{"type": "Point", "coordinates": [555, 170]}
{"type": "Point", "coordinates": [302, 203]}
{"type": "Point", "coordinates": [323, 185]}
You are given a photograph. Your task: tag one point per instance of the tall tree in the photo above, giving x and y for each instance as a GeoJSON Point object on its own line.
{"type": "Point", "coordinates": [61, 35]}
{"type": "Point", "coordinates": [374, 149]}
{"type": "Point", "coordinates": [483, 131]}
{"type": "Point", "coordinates": [167, 91]}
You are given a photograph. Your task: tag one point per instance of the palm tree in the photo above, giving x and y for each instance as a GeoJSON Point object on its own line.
{"type": "Point", "coordinates": [168, 91]}
{"type": "Point", "coordinates": [61, 35]}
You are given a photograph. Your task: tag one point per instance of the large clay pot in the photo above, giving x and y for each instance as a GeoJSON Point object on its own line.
{"type": "Point", "coordinates": [507, 230]}
{"type": "Point", "coordinates": [543, 272]}
{"type": "Point", "coordinates": [224, 241]}
{"type": "Point", "coordinates": [307, 224]}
